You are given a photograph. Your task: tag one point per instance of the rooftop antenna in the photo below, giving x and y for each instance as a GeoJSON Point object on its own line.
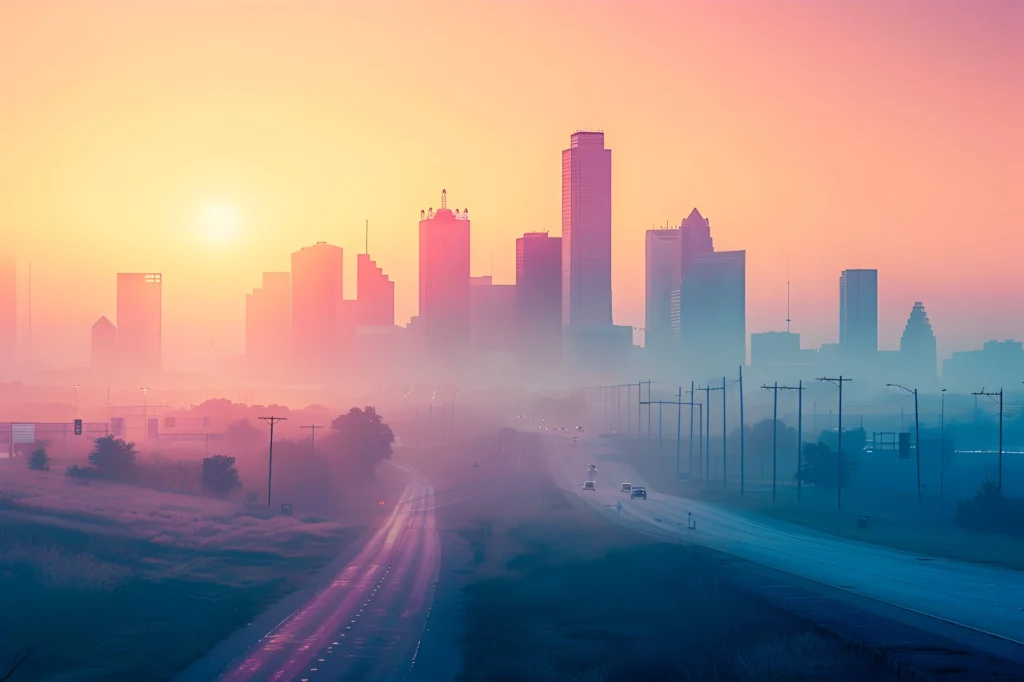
{"type": "Point", "coordinates": [366, 248]}
{"type": "Point", "coordinates": [788, 320]}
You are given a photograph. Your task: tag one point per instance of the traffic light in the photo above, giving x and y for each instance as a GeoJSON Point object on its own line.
{"type": "Point", "coordinates": [78, 427]}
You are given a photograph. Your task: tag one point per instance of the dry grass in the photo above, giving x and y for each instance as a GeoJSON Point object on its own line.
{"type": "Point", "coordinates": [58, 568]}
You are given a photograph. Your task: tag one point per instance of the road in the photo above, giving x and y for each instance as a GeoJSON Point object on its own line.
{"type": "Point", "coordinates": [366, 623]}
{"type": "Point", "coordinates": [985, 599]}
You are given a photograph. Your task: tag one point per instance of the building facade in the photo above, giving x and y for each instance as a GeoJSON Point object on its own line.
{"type": "Point", "coordinates": [539, 300]}
{"type": "Point", "coordinates": [663, 271]}
{"type": "Point", "coordinates": [713, 312]}
{"type": "Point", "coordinates": [858, 313]}
{"type": "Point", "coordinates": [444, 293]}
{"type": "Point", "coordinates": [587, 232]}
{"type": "Point", "coordinates": [139, 323]}
{"type": "Point", "coordinates": [103, 349]}
{"type": "Point", "coordinates": [317, 284]}
{"type": "Point", "coordinates": [376, 294]}
{"type": "Point", "coordinates": [918, 348]}
{"type": "Point", "coordinates": [493, 311]}
{"type": "Point", "coordinates": [268, 321]}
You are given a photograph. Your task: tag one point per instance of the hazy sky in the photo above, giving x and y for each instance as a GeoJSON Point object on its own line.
{"type": "Point", "coordinates": [832, 134]}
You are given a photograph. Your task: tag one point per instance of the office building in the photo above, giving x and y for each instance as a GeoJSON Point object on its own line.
{"type": "Point", "coordinates": [539, 299]}
{"type": "Point", "coordinates": [376, 294]}
{"type": "Point", "coordinates": [918, 351]}
{"type": "Point", "coordinates": [139, 324]}
{"type": "Point", "coordinates": [712, 313]}
{"type": "Point", "coordinates": [268, 321]}
{"type": "Point", "coordinates": [988, 367]}
{"type": "Point", "coordinates": [493, 314]}
{"type": "Point", "coordinates": [444, 282]}
{"type": "Point", "coordinates": [8, 313]}
{"type": "Point", "coordinates": [316, 291]}
{"type": "Point", "coordinates": [103, 349]}
{"type": "Point", "coordinates": [663, 270]}
{"type": "Point", "coordinates": [858, 313]}
{"type": "Point", "coordinates": [587, 233]}
{"type": "Point", "coordinates": [694, 239]}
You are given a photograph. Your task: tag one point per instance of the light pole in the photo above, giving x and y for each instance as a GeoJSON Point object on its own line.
{"type": "Point", "coordinates": [145, 413]}
{"type": "Point", "coordinates": [270, 463]}
{"type": "Point", "coordinates": [942, 448]}
{"type": "Point", "coordinates": [76, 400]}
{"type": "Point", "coordinates": [838, 382]}
{"type": "Point", "coordinates": [917, 434]}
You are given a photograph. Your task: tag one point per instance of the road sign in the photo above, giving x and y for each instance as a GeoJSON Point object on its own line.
{"type": "Point", "coordinates": [78, 427]}
{"type": "Point", "coordinates": [23, 433]}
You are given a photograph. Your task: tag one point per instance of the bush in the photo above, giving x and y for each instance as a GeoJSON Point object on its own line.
{"type": "Point", "coordinates": [991, 512]}
{"type": "Point", "coordinates": [80, 474]}
{"type": "Point", "coordinates": [39, 460]}
{"type": "Point", "coordinates": [220, 477]}
{"type": "Point", "coordinates": [113, 458]}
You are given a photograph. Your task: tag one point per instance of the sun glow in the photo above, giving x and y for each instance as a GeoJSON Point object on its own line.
{"type": "Point", "coordinates": [220, 224]}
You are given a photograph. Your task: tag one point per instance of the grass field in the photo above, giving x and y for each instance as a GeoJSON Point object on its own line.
{"type": "Point", "coordinates": [114, 582]}
{"type": "Point", "coordinates": [557, 594]}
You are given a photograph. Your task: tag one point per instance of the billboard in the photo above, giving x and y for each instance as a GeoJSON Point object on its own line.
{"type": "Point", "coordinates": [23, 433]}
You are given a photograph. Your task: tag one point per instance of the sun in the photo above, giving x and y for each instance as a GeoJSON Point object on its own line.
{"type": "Point", "coordinates": [220, 224]}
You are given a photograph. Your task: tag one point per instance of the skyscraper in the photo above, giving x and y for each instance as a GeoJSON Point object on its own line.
{"type": "Point", "coordinates": [493, 308]}
{"type": "Point", "coordinates": [268, 321]}
{"type": "Point", "coordinates": [858, 312]}
{"type": "Point", "coordinates": [539, 299]}
{"type": "Point", "coordinates": [139, 323]}
{"type": "Point", "coordinates": [695, 239]}
{"type": "Point", "coordinates": [444, 281]}
{"type": "Point", "coordinates": [587, 233]}
{"type": "Point", "coordinates": [8, 312]}
{"type": "Point", "coordinates": [103, 348]}
{"type": "Point", "coordinates": [713, 312]}
{"type": "Point", "coordinates": [375, 293]}
{"type": "Point", "coordinates": [664, 270]}
{"type": "Point", "coordinates": [317, 284]}
{"type": "Point", "coordinates": [918, 351]}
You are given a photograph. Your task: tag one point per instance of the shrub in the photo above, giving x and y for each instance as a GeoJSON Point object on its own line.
{"type": "Point", "coordinates": [991, 512]}
{"type": "Point", "coordinates": [39, 460]}
{"type": "Point", "coordinates": [113, 457]}
{"type": "Point", "coordinates": [220, 477]}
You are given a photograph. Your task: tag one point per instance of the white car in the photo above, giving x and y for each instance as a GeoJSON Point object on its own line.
{"type": "Point", "coordinates": [589, 485]}
{"type": "Point", "coordinates": [626, 487]}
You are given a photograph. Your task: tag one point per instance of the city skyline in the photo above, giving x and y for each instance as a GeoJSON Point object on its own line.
{"type": "Point", "coordinates": [784, 185]}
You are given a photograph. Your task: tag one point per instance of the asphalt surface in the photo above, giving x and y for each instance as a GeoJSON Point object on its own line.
{"type": "Point", "coordinates": [984, 599]}
{"type": "Point", "coordinates": [365, 623]}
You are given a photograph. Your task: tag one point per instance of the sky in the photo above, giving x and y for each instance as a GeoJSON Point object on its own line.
{"type": "Point", "coordinates": [208, 139]}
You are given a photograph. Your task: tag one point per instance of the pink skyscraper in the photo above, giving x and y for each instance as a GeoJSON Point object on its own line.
{"type": "Point", "coordinates": [444, 281]}
{"type": "Point", "coordinates": [139, 323]}
{"type": "Point", "coordinates": [317, 281]}
{"type": "Point", "coordinates": [587, 233]}
{"type": "Point", "coordinates": [376, 294]}
{"type": "Point", "coordinates": [539, 299]}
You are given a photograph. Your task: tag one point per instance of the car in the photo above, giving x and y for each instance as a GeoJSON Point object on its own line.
{"type": "Point", "coordinates": [575, 440]}
{"type": "Point", "coordinates": [579, 428]}
{"type": "Point", "coordinates": [589, 485]}
{"type": "Point", "coordinates": [626, 488]}
{"type": "Point", "coordinates": [638, 493]}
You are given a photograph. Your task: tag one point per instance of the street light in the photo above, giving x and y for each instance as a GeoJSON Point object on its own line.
{"type": "Point", "coordinates": [917, 434]}
{"type": "Point", "coordinates": [76, 400]}
{"type": "Point", "coordinates": [942, 448]}
{"type": "Point", "coordinates": [145, 413]}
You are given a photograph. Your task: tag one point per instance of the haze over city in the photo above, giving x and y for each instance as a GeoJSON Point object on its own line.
{"type": "Point", "coordinates": [489, 341]}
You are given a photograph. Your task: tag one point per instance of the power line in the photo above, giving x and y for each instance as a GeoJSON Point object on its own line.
{"type": "Point", "coordinates": [799, 434]}
{"type": "Point", "coordinates": [270, 463]}
{"type": "Point", "coordinates": [917, 432]}
{"type": "Point", "coordinates": [992, 394]}
{"type": "Point", "coordinates": [774, 388]}
{"type": "Point", "coordinates": [707, 416]}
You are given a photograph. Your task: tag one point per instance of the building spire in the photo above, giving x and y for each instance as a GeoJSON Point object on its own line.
{"type": "Point", "coordinates": [444, 199]}
{"type": "Point", "coordinates": [366, 247]}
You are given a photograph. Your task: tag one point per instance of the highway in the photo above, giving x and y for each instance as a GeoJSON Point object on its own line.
{"type": "Point", "coordinates": [366, 623]}
{"type": "Point", "coordinates": [985, 599]}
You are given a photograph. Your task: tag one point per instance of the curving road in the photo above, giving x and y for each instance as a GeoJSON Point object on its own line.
{"type": "Point", "coordinates": [365, 624]}
{"type": "Point", "coordinates": [985, 599]}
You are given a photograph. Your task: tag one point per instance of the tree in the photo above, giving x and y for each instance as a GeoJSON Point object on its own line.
{"type": "Point", "coordinates": [364, 439]}
{"type": "Point", "coordinates": [220, 477]}
{"type": "Point", "coordinates": [113, 457]}
{"type": "Point", "coordinates": [39, 460]}
{"type": "Point", "coordinates": [821, 465]}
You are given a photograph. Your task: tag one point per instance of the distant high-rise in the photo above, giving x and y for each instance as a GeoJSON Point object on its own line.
{"type": "Point", "coordinates": [539, 299]}
{"type": "Point", "coordinates": [695, 239]}
{"type": "Point", "coordinates": [587, 233]}
{"type": "Point", "coordinates": [493, 309]}
{"type": "Point", "coordinates": [139, 323]}
{"type": "Point", "coordinates": [918, 347]}
{"type": "Point", "coordinates": [444, 281]}
{"type": "Point", "coordinates": [8, 312]}
{"type": "Point", "coordinates": [858, 312]}
{"type": "Point", "coordinates": [375, 293]}
{"type": "Point", "coordinates": [268, 321]}
{"type": "Point", "coordinates": [664, 270]}
{"type": "Point", "coordinates": [317, 284]}
{"type": "Point", "coordinates": [713, 312]}
{"type": "Point", "coordinates": [103, 348]}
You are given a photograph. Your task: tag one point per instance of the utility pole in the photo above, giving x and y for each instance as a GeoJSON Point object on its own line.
{"type": "Point", "coordinates": [312, 450]}
{"type": "Point", "coordinates": [774, 388]}
{"type": "Point", "coordinates": [678, 402]}
{"type": "Point", "coordinates": [743, 463]}
{"type": "Point", "coordinates": [693, 397]}
{"type": "Point", "coordinates": [638, 399]}
{"type": "Point", "coordinates": [145, 413]}
{"type": "Point", "coordinates": [799, 433]}
{"type": "Point", "coordinates": [679, 421]}
{"type": "Point", "coordinates": [917, 434]}
{"type": "Point", "coordinates": [725, 452]}
{"type": "Point", "coordinates": [312, 435]}
{"type": "Point", "coordinates": [707, 416]}
{"type": "Point", "coordinates": [270, 464]}
{"type": "Point", "coordinates": [942, 448]}
{"type": "Point", "coordinates": [76, 400]}
{"type": "Point", "coordinates": [839, 381]}
{"type": "Point", "coordinates": [992, 394]}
